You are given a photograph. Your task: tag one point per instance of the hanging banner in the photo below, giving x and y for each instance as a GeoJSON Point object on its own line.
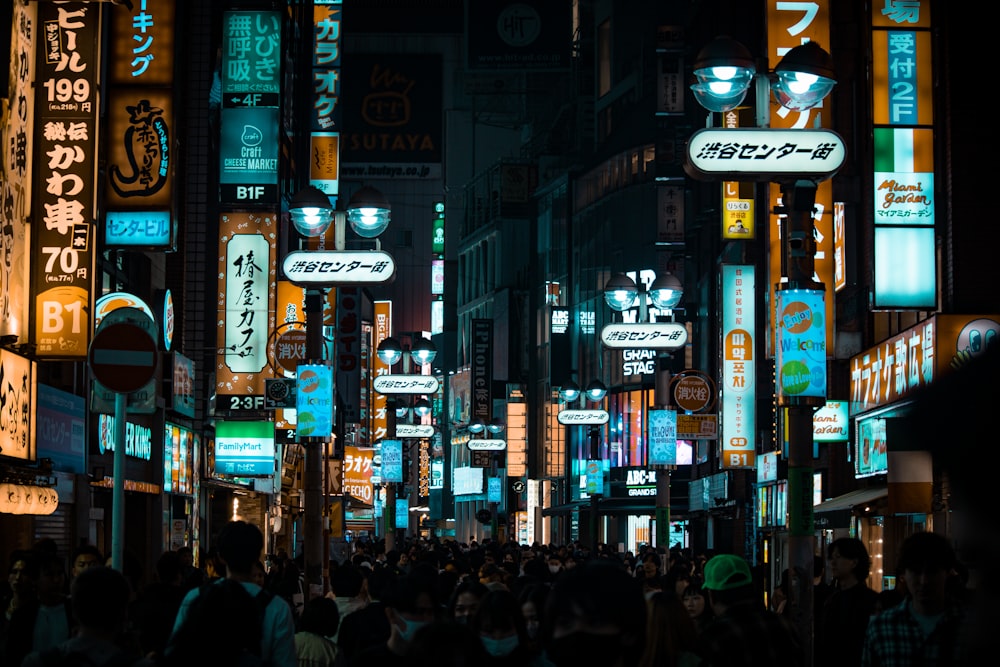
{"type": "Point", "coordinates": [800, 359]}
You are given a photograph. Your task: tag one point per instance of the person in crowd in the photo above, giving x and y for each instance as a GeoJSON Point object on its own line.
{"type": "Point", "coordinates": [445, 644]}
{"type": "Point", "coordinates": [595, 615]}
{"type": "Point", "coordinates": [409, 605]}
{"type": "Point", "coordinates": [743, 632]}
{"type": "Point", "coordinates": [369, 625]}
{"type": "Point", "coordinates": [223, 626]}
{"type": "Point", "coordinates": [45, 619]}
{"type": "Point", "coordinates": [779, 597]}
{"type": "Point", "coordinates": [21, 575]}
{"type": "Point", "coordinates": [649, 574]}
{"type": "Point", "coordinates": [670, 633]}
{"type": "Point", "coordinates": [678, 577]}
{"type": "Point", "coordinates": [100, 599]}
{"type": "Point", "coordinates": [84, 557]}
{"type": "Point", "coordinates": [258, 574]}
{"type": "Point", "coordinates": [555, 562]}
{"type": "Point", "coordinates": [240, 545]}
{"type": "Point", "coordinates": [155, 607]}
{"type": "Point", "coordinates": [319, 622]}
{"type": "Point", "coordinates": [822, 589]}
{"type": "Point", "coordinates": [349, 591]}
{"type": "Point", "coordinates": [532, 599]}
{"type": "Point", "coordinates": [464, 602]}
{"type": "Point", "coordinates": [840, 629]}
{"type": "Point", "coordinates": [696, 604]}
{"type": "Point", "coordinates": [926, 628]}
{"type": "Point", "coordinates": [501, 629]}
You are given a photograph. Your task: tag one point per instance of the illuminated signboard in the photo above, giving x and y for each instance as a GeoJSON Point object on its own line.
{"type": "Point", "coordinates": [392, 461]}
{"type": "Point", "coordinates": [739, 392]}
{"type": "Point", "coordinates": [830, 422]}
{"type": "Point", "coordinates": [179, 444]}
{"type": "Point", "coordinates": [66, 106]}
{"type": "Point", "coordinates": [182, 387]}
{"type": "Point", "coordinates": [663, 437]}
{"type": "Point", "coordinates": [244, 448]}
{"type": "Point", "coordinates": [248, 155]}
{"type": "Point", "coordinates": [800, 356]}
{"type": "Point", "coordinates": [17, 396]}
{"type": "Point", "coordinates": [466, 480]}
{"type": "Point", "coordinates": [314, 401]}
{"type": "Point", "coordinates": [140, 229]}
{"type": "Point", "coordinates": [247, 265]}
{"type": "Point", "coordinates": [138, 438]}
{"type": "Point", "coordinates": [357, 473]}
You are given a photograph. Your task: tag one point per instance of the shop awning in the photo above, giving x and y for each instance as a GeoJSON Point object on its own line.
{"type": "Point", "coordinates": [564, 510]}
{"type": "Point", "coordinates": [852, 499]}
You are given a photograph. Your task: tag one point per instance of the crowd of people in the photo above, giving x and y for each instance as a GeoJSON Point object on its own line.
{"type": "Point", "coordinates": [446, 603]}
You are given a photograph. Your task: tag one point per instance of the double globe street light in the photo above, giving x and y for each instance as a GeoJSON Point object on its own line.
{"type": "Point", "coordinates": [420, 352]}
{"type": "Point", "coordinates": [595, 393]}
{"type": "Point", "coordinates": [805, 76]}
{"type": "Point", "coordinates": [311, 214]}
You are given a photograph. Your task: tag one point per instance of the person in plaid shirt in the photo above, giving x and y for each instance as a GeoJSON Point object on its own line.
{"type": "Point", "coordinates": [924, 629]}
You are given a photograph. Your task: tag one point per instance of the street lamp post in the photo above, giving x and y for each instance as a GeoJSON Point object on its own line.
{"type": "Point", "coordinates": [312, 214]}
{"type": "Point", "coordinates": [665, 292]}
{"type": "Point", "coordinates": [724, 70]}
{"type": "Point", "coordinates": [391, 352]}
{"type": "Point", "coordinates": [594, 418]}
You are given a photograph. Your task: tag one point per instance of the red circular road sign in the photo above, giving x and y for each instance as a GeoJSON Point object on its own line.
{"type": "Point", "coordinates": [123, 357]}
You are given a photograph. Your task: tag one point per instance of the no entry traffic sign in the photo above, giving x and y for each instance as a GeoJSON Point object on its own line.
{"type": "Point", "coordinates": [123, 357]}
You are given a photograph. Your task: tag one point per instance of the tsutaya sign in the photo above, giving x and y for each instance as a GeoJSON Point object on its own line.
{"type": "Point", "coordinates": [764, 154]}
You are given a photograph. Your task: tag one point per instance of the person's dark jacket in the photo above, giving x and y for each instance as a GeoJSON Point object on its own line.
{"type": "Point", "coordinates": [363, 628]}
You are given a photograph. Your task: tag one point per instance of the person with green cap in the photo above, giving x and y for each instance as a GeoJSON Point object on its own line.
{"type": "Point", "coordinates": [743, 633]}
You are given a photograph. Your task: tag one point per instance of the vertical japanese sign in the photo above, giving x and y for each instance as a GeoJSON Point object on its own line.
{"type": "Point", "coordinates": [739, 391]}
{"type": "Point", "coordinates": [324, 140]}
{"type": "Point", "coordinates": [905, 265]}
{"type": "Point", "coordinates": [737, 198]}
{"type": "Point", "coordinates": [182, 387]}
{"type": "Point", "coordinates": [348, 352]}
{"type": "Point", "coordinates": [251, 87]}
{"type": "Point", "coordinates": [247, 273]}
{"type": "Point", "coordinates": [482, 370]}
{"type": "Point", "coordinates": [140, 125]}
{"type": "Point", "coordinates": [382, 330]}
{"type": "Point", "coordinates": [16, 163]}
{"type": "Point", "coordinates": [357, 472]}
{"type": "Point", "coordinates": [17, 396]}
{"type": "Point", "coordinates": [790, 24]}
{"type": "Point", "coordinates": [66, 107]}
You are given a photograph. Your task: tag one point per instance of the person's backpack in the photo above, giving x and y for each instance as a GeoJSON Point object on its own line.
{"type": "Point", "coordinates": [220, 618]}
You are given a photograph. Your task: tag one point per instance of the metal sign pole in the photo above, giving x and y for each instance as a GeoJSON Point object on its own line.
{"type": "Point", "coordinates": [118, 490]}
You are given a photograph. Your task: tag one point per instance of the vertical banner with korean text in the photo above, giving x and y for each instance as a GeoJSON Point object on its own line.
{"type": "Point", "coordinates": [247, 276]}
{"type": "Point", "coordinates": [66, 108]}
{"type": "Point", "coordinates": [739, 390]}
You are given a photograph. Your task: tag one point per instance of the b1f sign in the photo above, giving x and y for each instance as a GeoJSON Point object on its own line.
{"type": "Point", "coordinates": [800, 358]}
